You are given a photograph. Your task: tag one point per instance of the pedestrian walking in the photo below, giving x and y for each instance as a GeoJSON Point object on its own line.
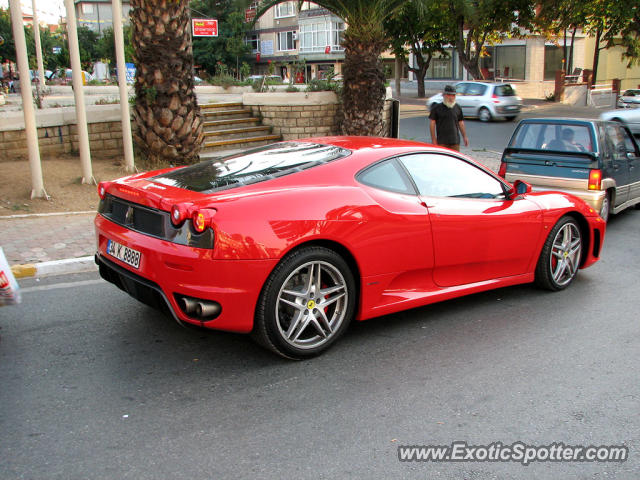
{"type": "Point", "coordinates": [446, 122]}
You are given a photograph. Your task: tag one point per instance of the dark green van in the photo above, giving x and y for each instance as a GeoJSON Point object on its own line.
{"type": "Point", "coordinates": [597, 161]}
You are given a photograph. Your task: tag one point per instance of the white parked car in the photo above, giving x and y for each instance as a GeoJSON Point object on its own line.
{"type": "Point", "coordinates": [626, 116]}
{"type": "Point", "coordinates": [485, 100]}
{"type": "Point", "coordinates": [629, 98]}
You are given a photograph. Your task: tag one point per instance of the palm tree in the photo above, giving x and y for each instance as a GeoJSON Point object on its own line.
{"type": "Point", "coordinates": [364, 40]}
{"type": "Point", "coordinates": [166, 111]}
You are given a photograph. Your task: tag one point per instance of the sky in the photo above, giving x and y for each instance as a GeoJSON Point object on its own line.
{"type": "Point", "coordinates": [49, 11]}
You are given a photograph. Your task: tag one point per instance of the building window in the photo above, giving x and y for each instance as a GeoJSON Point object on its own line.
{"type": "Point", "coordinates": [87, 8]}
{"type": "Point", "coordinates": [285, 9]}
{"type": "Point", "coordinates": [316, 37]}
{"type": "Point", "coordinates": [510, 62]}
{"type": "Point", "coordinates": [553, 57]}
{"type": "Point", "coordinates": [254, 42]}
{"type": "Point", "coordinates": [286, 41]}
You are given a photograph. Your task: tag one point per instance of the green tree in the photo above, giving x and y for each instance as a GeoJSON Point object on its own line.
{"type": "Point", "coordinates": [229, 47]}
{"type": "Point", "coordinates": [106, 48]}
{"type": "Point", "coordinates": [612, 22]}
{"type": "Point", "coordinates": [48, 41]}
{"type": "Point", "coordinates": [364, 40]}
{"type": "Point", "coordinates": [485, 22]}
{"type": "Point", "coordinates": [8, 47]}
{"type": "Point", "coordinates": [424, 32]}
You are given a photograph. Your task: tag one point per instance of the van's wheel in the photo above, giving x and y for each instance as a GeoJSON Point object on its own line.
{"type": "Point", "coordinates": [306, 303]}
{"type": "Point", "coordinates": [560, 257]}
{"type": "Point", "coordinates": [484, 115]}
{"type": "Point", "coordinates": [605, 209]}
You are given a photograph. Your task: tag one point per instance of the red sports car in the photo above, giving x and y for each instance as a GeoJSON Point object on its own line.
{"type": "Point", "coordinates": [293, 240]}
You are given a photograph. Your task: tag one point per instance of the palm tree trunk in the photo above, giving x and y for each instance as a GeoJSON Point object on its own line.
{"type": "Point", "coordinates": [166, 111]}
{"type": "Point", "coordinates": [363, 91]}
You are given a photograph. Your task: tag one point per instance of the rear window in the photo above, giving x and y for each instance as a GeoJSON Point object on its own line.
{"type": "Point", "coordinates": [505, 91]}
{"type": "Point", "coordinates": [253, 166]}
{"type": "Point", "coordinates": [557, 137]}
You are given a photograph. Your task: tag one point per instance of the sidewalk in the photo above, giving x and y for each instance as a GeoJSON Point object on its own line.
{"type": "Point", "coordinates": [48, 243]}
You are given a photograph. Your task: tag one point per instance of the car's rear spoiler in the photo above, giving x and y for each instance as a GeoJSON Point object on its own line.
{"type": "Point", "coordinates": [535, 151]}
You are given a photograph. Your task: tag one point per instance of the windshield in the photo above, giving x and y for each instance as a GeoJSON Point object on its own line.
{"type": "Point", "coordinates": [252, 166]}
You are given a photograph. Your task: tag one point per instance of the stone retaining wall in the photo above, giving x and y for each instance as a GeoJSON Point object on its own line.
{"type": "Point", "coordinates": [58, 133]}
{"type": "Point", "coordinates": [303, 114]}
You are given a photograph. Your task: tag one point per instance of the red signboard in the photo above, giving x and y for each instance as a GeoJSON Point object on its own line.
{"type": "Point", "coordinates": [204, 27]}
{"type": "Point", "coordinates": [249, 14]}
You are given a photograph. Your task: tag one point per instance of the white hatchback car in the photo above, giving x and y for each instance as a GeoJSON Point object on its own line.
{"type": "Point", "coordinates": [485, 100]}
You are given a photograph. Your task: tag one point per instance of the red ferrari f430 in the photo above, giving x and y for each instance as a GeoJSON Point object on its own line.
{"type": "Point", "coordinates": [293, 241]}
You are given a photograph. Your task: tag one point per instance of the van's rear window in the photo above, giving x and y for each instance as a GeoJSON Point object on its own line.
{"type": "Point", "coordinates": [251, 166]}
{"type": "Point", "coordinates": [560, 137]}
{"type": "Point", "coordinates": [505, 91]}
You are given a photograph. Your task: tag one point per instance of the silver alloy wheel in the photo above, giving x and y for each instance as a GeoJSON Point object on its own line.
{"type": "Point", "coordinates": [311, 304]}
{"type": "Point", "coordinates": [484, 115]}
{"type": "Point", "coordinates": [565, 255]}
{"type": "Point", "coordinates": [604, 210]}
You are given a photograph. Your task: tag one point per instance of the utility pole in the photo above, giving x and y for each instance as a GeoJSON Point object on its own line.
{"type": "Point", "coordinates": [125, 116]}
{"type": "Point", "coordinates": [36, 34]}
{"type": "Point", "coordinates": [78, 92]}
{"type": "Point", "coordinates": [37, 186]}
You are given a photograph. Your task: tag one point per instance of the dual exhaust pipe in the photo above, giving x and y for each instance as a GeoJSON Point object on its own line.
{"type": "Point", "coordinates": [200, 309]}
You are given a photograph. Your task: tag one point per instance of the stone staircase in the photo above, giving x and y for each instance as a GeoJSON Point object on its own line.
{"type": "Point", "coordinates": [231, 126]}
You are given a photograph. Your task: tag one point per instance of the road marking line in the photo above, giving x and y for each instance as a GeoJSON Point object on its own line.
{"type": "Point", "coordinates": [55, 286]}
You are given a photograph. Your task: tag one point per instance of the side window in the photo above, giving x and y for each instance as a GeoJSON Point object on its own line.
{"type": "Point", "coordinates": [476, 89]}
{"type": "Point", "coordinates": [628, 142]}
{"type": "Point", "coordinates": [387, 175]}
{"type": "Point", "coordinates": [616, 141]}
{"type": "Point", "coordinates": [461, 88]}
{"type": "Point", "coordinates": [445, 176]}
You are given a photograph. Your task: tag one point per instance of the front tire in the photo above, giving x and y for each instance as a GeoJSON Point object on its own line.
{"type": "Point", "coordinates": [484, 115]}
{"type": "Point", "coordinates": [306, 303]}
{"type": "Point", "coordinates": [560, 257]}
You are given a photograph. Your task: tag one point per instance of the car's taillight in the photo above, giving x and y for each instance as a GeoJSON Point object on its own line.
{"type": "Point", "coordinates": [102, 189]}
{"type": "Point", "coordinates": [178, 214]}
{"type": "Point", "coordinates": [201, 219]}
{"type": "Point", "coordinates": [503, 169]}
{"type": "Point", "coordinates": [495, 98]}
{"type": "Point", "coordinates": [595, 176]}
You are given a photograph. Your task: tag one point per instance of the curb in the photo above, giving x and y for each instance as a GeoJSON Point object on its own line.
{"type": "Point", "coordinates": [55, 267]}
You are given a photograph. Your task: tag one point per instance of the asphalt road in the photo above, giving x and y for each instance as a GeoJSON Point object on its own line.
{"type": "Point", "coordinates": [94, 385]}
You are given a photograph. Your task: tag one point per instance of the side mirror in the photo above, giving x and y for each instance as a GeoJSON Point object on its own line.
{"type": "Point", "coordinates": [519, 188]}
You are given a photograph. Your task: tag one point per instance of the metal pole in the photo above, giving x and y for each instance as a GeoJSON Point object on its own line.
{"type": "Point", "coordinates": [37, 186]}
{"type": "Point", "coordinates": [81, 114]}
{"type": "Point", "coordinates": [125, 116]}
{"type": "Point", "coordinates": [36, 34]}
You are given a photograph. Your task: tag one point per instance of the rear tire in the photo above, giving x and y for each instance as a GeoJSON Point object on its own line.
{"type": "Point", "coordinates": [484, 115]}
{"type": "Point", "coordinates": [560, 257]}
{"type": "Point", "coordinates": [306, 303]}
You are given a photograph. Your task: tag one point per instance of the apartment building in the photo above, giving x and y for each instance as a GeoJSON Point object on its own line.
{"type": "Point", "coordinates": [284, 34]}
{"type": "Point", "coordinates": [98, 14]}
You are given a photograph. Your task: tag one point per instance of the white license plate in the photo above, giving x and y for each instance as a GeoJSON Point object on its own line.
{"type": "Point", "coordinates": [124, 254]}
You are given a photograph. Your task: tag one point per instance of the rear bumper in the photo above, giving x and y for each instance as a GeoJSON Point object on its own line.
{"type": "Point", "coordinates": [168, 271]}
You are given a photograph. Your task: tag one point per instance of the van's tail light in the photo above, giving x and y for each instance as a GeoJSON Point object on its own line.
{"type": "Point", "coordinates": [595, 177]}
{"type": "Point", "coordinates": [503, 169]}
{"type": "Point", "coordinates": [201, 219]}
{"type": "Point", "coordinates": [495, 98]}
{"type": "Point", "coordinates": [102, 189]}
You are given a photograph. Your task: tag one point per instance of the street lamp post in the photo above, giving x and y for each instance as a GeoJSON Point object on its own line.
{"type": "Point", "coordinates": [78, 92]}
{"type": "Point", "coordinates": [31, 132]}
